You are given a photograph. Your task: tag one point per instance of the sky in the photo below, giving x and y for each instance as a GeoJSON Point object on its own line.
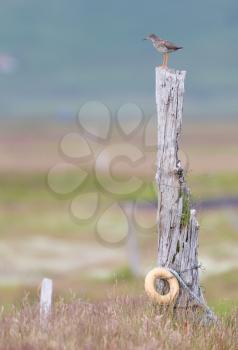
{"type": "Point", "coordinates": [56, 55]}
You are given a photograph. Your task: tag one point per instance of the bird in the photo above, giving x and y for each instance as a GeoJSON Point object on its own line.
{"type": "Point", "coordinates": [163, 46]}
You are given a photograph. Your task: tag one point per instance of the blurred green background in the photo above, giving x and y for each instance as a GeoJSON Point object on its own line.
{"type": "Point", "coordinates": [54, 57]}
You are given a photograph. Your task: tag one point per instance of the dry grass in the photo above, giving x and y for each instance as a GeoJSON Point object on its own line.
{"type": "Point", "coordinates": [121, 323]}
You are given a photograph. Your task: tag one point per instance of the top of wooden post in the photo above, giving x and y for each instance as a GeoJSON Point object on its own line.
{"type": "Point", "coordinates": [172, 71]}
{"type": "Point", "coordinates": [167, 82]}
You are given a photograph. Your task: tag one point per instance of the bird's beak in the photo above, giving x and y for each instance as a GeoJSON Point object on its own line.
{"type": "Point", "coordinates": [144, 39]}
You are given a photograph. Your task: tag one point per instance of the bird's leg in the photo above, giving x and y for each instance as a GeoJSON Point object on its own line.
{"type": "Point", "coordinates": [166, 59]}
{"type": "Point", "coordinates": [163, 64]}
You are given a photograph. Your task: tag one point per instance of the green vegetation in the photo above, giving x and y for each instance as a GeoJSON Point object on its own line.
{"type": "Point", "coordinates": [213, 185]}
{"type": "Point", "coordinates": [122, 274]}
{"type": "Point", "coordinates": [35, 224]}
{"type": "Point", "coordinates": [33, 186]}
{"type": "Point", "coordinates": [224, 307]}
{"type": "Point", "coordinates": [185, 217]}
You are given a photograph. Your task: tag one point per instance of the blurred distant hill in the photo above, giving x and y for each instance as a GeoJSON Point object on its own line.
{"type": "Point", "coordinates": [68, 51]}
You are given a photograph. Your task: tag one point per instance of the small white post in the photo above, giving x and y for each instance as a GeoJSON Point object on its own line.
{"type": "Point", "coordinates": [46, 296]}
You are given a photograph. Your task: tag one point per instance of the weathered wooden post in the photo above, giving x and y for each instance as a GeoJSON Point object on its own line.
{"type": "Point", "coordinates": [177, 226]}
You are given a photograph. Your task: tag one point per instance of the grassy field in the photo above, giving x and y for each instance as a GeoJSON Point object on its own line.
{"type": "Point", "coordinates": [115, 323]}
{"type": "Point", "coordinates": [40, 237]}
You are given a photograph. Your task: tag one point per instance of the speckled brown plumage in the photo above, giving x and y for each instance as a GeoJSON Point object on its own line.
{"type": "Point", "coordinates": [163, 46]}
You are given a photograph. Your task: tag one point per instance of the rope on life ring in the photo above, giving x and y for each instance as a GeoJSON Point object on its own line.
{"type": "Point", "coordinates": [150, 288]}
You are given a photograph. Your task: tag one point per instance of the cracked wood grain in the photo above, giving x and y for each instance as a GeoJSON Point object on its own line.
{"type": "Point", "coordinates": [177, 224]}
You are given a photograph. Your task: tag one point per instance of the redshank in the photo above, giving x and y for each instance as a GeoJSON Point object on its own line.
{"type": "Point", "coordinates": [163, 46]}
